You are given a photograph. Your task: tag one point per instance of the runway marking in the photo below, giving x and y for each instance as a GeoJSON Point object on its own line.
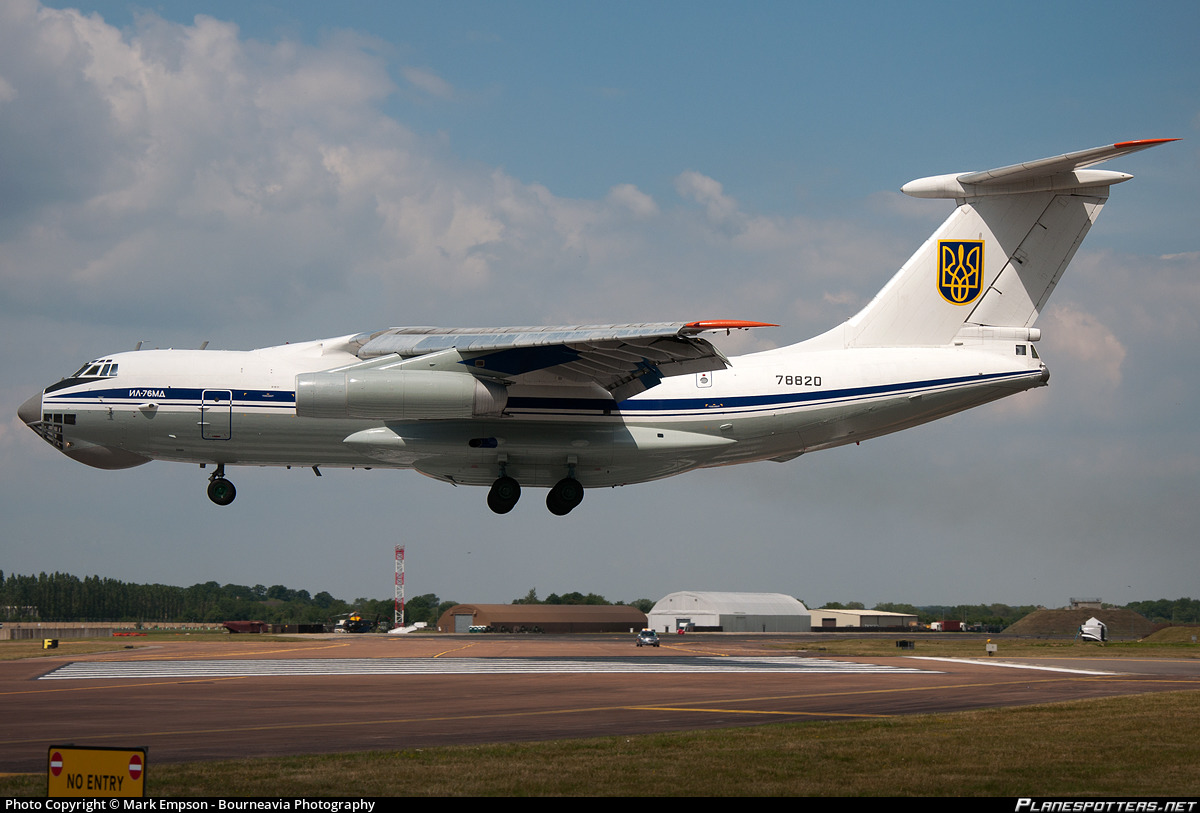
{"type": "Point", "coordinates": [394, 721]}
{"type": "Point", "coordinates": [114, 686]}
{"type": "Point", "coordinates": [294, 667]}
{"type": "Point", "coordinates": [301, 648]}
{"type": "Point", "coordinates": [764, 711]}
{"type": "Point", "coordinates": [344, 724]}
{"type": "Point", "coordinates": [1014, 665]}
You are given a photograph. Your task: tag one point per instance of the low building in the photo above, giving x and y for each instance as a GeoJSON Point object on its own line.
{"type": "Point", "coordinates": [729, 612]}
{"type": "Point", "coordinates": [826, 619]}
{"type": "Point", "coordinates": [542, 618]}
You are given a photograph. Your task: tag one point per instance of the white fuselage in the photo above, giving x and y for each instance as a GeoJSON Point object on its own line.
{"type": "Point", "coordinates": [239, 408]}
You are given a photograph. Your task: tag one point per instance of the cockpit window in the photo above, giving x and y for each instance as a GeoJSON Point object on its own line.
{"type": "Point", "coordinates": [100, 368]}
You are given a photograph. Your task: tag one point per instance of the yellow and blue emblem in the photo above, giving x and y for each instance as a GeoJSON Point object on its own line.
{"type": "Point", "coordinates": [960, 270]}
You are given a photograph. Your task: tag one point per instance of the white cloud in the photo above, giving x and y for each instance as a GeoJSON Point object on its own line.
{"type": "Point", "coordinates": [721, 208]}
{"type": "Point", "coordinates": [269, 172]}
{"type": "Point", "coordinates": [428, 82]}
{"type": "Point", "coordinates": [633, 199]}
{"type": "Point", "coordinates": [1087, 342]}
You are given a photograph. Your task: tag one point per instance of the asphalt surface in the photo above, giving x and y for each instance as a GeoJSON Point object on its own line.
{"type": "Point", "coordinates": [228, 698]}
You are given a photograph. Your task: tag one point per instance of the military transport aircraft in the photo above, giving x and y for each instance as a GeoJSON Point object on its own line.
{"type": "Point", "coordinates": [579, 407]}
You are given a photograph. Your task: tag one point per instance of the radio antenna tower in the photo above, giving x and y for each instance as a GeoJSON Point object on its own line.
{"type": "Point", "coordinates": [399, 612]}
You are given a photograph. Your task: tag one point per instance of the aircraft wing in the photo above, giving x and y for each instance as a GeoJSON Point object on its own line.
{"type": "Point", "coordinates": [622, 359]}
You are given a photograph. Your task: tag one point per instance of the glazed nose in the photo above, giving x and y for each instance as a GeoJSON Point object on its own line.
{"type": "Point", "coordinates": [31, 410]}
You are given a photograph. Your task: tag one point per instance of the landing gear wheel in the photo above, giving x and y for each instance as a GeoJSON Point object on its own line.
{"type": "Point", "coordinates": [221, 491]}
{"type": "Point", "coordinates": [504, 495]}
{"type": "Point", "coordinates": [566, 494]}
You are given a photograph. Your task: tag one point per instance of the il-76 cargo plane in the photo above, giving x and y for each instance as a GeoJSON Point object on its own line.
{"type": "Point", "coordinates": [578, 407]}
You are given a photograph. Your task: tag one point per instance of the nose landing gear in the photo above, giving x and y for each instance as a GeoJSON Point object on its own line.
{"type": "Point", "coordinates": [220, 490]}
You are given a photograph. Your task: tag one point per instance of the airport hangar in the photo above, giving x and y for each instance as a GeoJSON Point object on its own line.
{"type": "Point", "coordinates": [700, 611]}
{"type": "Point", "coordinates": [729, 612]}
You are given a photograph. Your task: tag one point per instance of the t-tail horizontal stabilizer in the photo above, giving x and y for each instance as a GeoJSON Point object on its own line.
{"type": "Point", "coordinates": [999, 255]}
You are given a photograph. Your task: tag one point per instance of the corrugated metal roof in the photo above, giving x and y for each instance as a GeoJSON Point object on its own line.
{"type": "Point", "coordinates": [723, 602]}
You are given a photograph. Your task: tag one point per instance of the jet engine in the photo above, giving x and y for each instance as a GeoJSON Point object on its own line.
{"type": "Point", "coordinates": [397, 395]}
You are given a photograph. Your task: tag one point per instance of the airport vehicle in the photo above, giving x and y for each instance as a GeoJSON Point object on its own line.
{"type": "Point", "coordinates": [577, 407]}
{"type": "Point", "coordinates": [353, 622]}
{"type": "Point", "coordinates": [647, 637]}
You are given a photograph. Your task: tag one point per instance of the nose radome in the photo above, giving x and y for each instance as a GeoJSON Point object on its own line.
{"type": "Point", "coordinates": [31, 410]}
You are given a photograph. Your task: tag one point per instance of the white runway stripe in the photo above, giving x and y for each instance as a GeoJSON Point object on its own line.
{"type": "Point", "coordinates": [121, 670]}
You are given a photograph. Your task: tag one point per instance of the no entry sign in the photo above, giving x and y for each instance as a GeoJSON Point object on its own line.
{"type": "Point", "coordinates": [96, 772]}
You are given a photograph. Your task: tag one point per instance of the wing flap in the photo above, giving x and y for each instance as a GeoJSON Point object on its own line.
{"type": "Point", "coordinates": [623, 359]}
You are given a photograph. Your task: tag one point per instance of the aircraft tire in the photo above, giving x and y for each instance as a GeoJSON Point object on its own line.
{"type": "Point", "coordinates": [221, 491]}
{"type": "Point", "coordinates": [503, 495]}
{"type": "Point", "coordinates": [566, 494]}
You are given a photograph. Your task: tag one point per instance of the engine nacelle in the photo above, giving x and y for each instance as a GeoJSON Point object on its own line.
{"type": "Point", "coordinates": [397, 395]}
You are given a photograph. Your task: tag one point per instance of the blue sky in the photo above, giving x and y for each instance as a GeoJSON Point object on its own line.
{"type": "Point", "coordinates": [273, 172]}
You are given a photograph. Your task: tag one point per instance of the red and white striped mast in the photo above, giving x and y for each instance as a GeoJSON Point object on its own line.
{"type": "Point", "coordinates": [398, 618]}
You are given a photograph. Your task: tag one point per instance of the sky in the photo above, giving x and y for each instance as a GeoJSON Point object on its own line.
{"type": "Point", "coordinates": [250, 174]}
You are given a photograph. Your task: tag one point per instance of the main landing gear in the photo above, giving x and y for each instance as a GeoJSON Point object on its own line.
{"type": "Point", "coordinates": [566, 494]}
{"type": "Point", "coordinates": [504, 494]}
{"type": "Point", "coordinates": [220, 490]}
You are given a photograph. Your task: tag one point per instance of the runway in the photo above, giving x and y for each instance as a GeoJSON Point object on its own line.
{"type": "Point", "coordinates": [247, 697]}
{"type": "Point", "coordinates": [461, 666]}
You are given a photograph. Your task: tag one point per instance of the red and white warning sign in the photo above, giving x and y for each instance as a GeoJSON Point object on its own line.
{"type": "Point", "coordinates": [95, 772]}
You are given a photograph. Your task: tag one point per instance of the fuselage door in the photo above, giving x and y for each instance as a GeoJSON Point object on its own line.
{"type": "Point", "coordinates": [216, 414]}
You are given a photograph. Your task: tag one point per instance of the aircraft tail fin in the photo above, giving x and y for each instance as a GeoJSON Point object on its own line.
{"type": "Point", "coordinates": [997, 258]}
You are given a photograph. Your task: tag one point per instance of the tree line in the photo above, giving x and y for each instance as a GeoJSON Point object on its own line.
{"type": "Point", "coordinates": [64, 597]}
{"type": "Point", "coordinates": [643, 604]}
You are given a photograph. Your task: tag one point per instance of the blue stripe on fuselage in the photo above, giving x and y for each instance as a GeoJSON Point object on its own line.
{"type": "Point", "coordinates": [171, 396]}
{"type": "Point", "coordinates": [748, 403]}
{"type": "Point", "coordinates": [191, 396]}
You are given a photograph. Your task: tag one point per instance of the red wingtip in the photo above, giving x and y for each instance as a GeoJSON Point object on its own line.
{"type": "Point", "coordinates": [1144, 142]}
{"type": "Point", "coordinates": [726, 324]}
